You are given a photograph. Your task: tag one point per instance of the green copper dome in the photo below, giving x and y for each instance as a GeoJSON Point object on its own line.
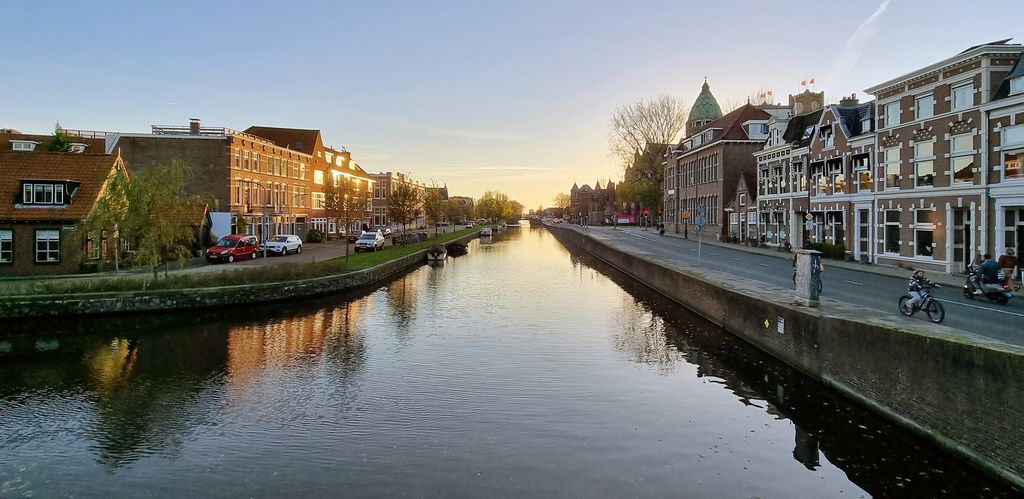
{"type": "Point", "coordinates": [705, 108]}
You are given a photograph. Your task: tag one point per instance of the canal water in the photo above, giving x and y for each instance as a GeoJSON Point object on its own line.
{"type": "Point", "coordinates": [523, 369]}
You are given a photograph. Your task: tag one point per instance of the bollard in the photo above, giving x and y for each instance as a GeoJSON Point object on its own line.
{"type": "Point", "coordinates": [808, 277]}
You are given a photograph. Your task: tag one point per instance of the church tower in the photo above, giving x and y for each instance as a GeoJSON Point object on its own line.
{"type": "Point", "coordinates": [705, 110]}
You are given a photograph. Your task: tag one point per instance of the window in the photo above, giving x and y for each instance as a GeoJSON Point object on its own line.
{"type": "Point", "coordinates": [862, 167]}
{"type": "Point", "coordinates": [1017, 85]}
{"type": "Point", "coordinates": [892, 231]}
{"type": "Point", "coordinates": [379, 191]}
{"type": "Point", "coordinates": [1013, 166]}
{"type": "Point", "coordinates": [24, 145]}
{"type": "Point", "coordinates": [380, 217]}
{"type": "Point", "coordinates": [962, 158]}
{"type": "Point", "coordinates": [47, 246]}
{"type": "Point", "coordinates": [255, 161]}
{"type": "Point", "coordinates": [743, 199]}
{"type": "Point", "coordinates": [318, 177]}
{"type": "Point", "coordinates": [42, 193]}
{"type": "Point", "coordinates": [58, 194]}
{"type": "Point", "coordinates": [924, 107]}
{"type": "Point", "coordinates": [924, 166]}
{"type": "Point", "coordinates": [963, 96]}
{"type": "Point", "coordinates": [865, 125]}
{"type": "Point", "coordinates": [238, 159]}
{"type": "Point", "coordinates": [892, 114]}
{"type": "Point", "coordinates": [892, 168]}
{"type": "Point", "coordinates": [6, 246]}
{"type": "Point", "coordinates": [248, 161]}
{"type": "Point", "coordinates": [827, 139]}
{"type": "Point", "coordinates": [924, 237]}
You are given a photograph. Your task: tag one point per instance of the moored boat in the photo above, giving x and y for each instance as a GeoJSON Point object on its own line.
{"type": "Point", "coordinates": [486, 231]}
{"type": "Point", "coordinates": [437, 253]}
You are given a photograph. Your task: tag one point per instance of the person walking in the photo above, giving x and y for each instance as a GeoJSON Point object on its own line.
{"type": "Point", "coordinates": [1009, 263]}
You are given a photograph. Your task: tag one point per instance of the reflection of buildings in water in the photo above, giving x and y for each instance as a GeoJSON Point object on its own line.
{"type": "Point", "coordinates": [284, 342]}
{"type": "Point", "coordinates": [806, 449]}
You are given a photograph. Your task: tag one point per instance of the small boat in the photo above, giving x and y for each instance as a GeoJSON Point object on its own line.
{"type": "Point", "coordinates": [486, 231]}
{"type": "Point", "coordinates": [456, 249]}
{"type": "Point", "coordinates": [437, 253]}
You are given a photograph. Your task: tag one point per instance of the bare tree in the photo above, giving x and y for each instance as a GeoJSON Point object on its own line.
{"type": "Point", "coordinates": [640, 134]}
{"type": "Point", "coordinates": [345, 201]}
{"type": "Point", "coordinates": [562, 201]}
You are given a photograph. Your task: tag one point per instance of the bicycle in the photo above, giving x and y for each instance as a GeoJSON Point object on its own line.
{"type": "Point", "coordinates": [931, 306]}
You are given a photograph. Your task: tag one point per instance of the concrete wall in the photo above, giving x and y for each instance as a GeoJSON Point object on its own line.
{"type": "Point", "coordinates": [183, 299]}
{"type": "Point", "coordinates": [964, 392]}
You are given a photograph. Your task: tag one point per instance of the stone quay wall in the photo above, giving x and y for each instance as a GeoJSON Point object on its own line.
{"type": "Point", "coordinates": [961, 391]}
{"type": "Point", "coordinates": [184, 299]}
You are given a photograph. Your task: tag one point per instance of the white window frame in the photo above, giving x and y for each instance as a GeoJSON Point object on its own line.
{"type": "Point", "coordinates": [958, 154]}
{"type": "Point", "coordinates": [957, 105]}
{"type": "Point", "coordinates": [930, 99]}
{"type": "Point", "coordinates": [27, 196]}
{"type": "Point", "coordinates": [885, 232]}
{"type": "Point", "coordinates": [927, 226]}
{"type": "Point", "coordinates": [920, 159]}
{"type": "Point", "coordinates": [58, 193]}
{"type": "Point", "coordinates": [1017, 85]}
{"type": "Point", "coordinates": [891, 111]}
{"type": "Point", "coordinates": [890, 162]}
{"type": "Point", "coordinates": [743, 199]}
{"type": "Point", "coordinates": [51, 251]}
{"type": "Point", "coordinates": [6, 246]}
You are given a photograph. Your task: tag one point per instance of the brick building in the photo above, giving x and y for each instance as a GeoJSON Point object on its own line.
{"type": "Point", "coordinates": [44, 196]}
{"type": "Point", "coordinates": [705, 167]}
{"type": "Point", "coordinates": [933, 208]}
{"type": "Point", "coordinates": [595, 204]}
{"type": "Point", "coordinates": [384, 183]}
{"type": "Point", "coordinates": [1003, 125]}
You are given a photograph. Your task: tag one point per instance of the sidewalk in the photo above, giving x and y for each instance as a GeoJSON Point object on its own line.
{"type": "Point", "coordinates": [946, 280]}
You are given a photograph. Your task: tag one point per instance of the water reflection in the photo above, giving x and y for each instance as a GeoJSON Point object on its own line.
{"type": "Point", "coordinates": [523, 369]}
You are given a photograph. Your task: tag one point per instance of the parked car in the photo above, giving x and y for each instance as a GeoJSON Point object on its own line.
{"type": "Point", "coordinates": [469, 224]}
{"type": "Point", "coordinates": [352, 236]}
{"type": "Point", "coordinates": [233, 247]}
{"type": "Point", "coordinates": [370, 241]}
{"type": "Point", "coordinates": [282, 244]}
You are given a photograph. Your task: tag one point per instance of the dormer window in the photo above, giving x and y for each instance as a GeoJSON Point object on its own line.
{"type": "Point", "coordinates": [865, 125]}
{"type": "Point", "coordinates": [827, 139]}
{"type": "Point", "coordinates": [24, 145]}
{"type": "Point", "coordinates": [78, 147]}
{"type": "Point", "coordinates": [42, 194]}
{"type": "Point", "coordinates": [1017, 85]}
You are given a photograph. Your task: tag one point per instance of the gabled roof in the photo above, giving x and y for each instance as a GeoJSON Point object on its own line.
{"type": "Point", "coordinates": [442, 190]}
{"type": "Point", "coordinates": [90, 171]}
{"type": "Point", "coordinates": [797, 125]}
{"type": "Point", "coordinates": [1016, 72]}
{"type": "Point", "coordinates": [732, 124]}
{"type": "Point", "coordinates": [293, 138]}
{"type": "Point", "coordinates": [95, 146]}
{"type": "Point", "coordinates": [852, 117]}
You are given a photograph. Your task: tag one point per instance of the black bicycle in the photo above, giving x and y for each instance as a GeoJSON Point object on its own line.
{"type": "Point", "coordinates": [929, 304]}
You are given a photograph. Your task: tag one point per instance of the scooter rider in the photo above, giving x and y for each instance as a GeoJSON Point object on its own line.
{"type": "Point", "coordinates": [988, 272]}
{"type": "Point", "coordinates": [918, 282]}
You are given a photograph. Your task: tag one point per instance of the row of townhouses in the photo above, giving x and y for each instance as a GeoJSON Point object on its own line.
{"type": "Point", "coordinates": [926, 175]}
{"type": "Point", "coordinates": [264, 180]}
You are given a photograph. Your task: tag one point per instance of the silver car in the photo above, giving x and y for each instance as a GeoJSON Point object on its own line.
{"type": "Point", "coordinates": [370, 241]}
{"type": "Point", "coordinates": [282, 244]}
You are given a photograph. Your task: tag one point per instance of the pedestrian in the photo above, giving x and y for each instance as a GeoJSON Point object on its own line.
{"type": "Point", "coordinates": [1008, 262]}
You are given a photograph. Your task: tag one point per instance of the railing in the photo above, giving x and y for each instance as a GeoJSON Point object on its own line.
{"type": "Point", "coordinates": [88, 134]}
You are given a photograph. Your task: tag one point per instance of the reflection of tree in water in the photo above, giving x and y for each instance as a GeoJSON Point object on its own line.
{"type": "Point", "coordinates": [875, 454]}
{"type": "Point", "coordinates": [401, 303]}
{"type": "Point", "coordinates": [640, 334]}
{"type": "Point", "coordinates": [148, 392]}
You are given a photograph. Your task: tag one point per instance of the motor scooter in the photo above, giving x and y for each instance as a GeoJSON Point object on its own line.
{"type": "Point", "coordinates": [998, 292]}
{"type": "Point", "coordinates": [661, 229]}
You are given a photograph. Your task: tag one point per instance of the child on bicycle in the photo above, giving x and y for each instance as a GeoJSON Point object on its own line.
{"type": "Point", "coordinates": [916, 286]}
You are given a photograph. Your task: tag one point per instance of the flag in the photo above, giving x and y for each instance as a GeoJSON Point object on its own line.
{"type": "Point", "coordinates": [812, 81]}
{"type": "Point", "coordinates": [769, 93]}
{"type": "Point", "coordinates": [803, 83]}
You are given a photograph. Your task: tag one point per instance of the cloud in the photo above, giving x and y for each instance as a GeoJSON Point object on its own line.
{"type": "Point", "coordinates": [847, 58]}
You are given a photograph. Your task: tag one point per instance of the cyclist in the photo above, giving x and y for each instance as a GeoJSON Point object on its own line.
{"type": "Point", "coordinates": [918, 282]}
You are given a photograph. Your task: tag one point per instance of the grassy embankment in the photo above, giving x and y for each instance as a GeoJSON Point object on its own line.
{"type": "Point", "coordinates": [283, 272]}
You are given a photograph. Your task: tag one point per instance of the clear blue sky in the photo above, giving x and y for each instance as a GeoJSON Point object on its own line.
{"type": "Point", "coordinates": [480, 95]}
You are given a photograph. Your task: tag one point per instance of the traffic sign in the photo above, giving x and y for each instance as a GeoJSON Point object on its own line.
{"type": "Point", "coordinates": [686, 214]}
{"type": "Point", "coordinates": [700, 219]}
{"type": "Point", "coordinates": [809, 217]}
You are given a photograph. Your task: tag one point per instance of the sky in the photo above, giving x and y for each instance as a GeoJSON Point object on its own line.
{"type": "Point", "coordinates": [476, 95]}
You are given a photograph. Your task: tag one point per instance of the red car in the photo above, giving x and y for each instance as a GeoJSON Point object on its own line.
{"type": "Point", "coordinates": [233, 247]}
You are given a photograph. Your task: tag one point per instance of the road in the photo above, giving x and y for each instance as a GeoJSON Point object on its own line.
{"type": "Point", "coordinates": [877, 293]}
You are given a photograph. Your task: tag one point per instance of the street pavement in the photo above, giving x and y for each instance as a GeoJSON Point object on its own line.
{"type": "Point", "coordinates": [874, 287]}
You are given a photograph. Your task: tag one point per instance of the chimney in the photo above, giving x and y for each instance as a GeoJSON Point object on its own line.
{"type": "Point", "coordinates": [849, 101]}
{"type": "Point", "coordinates": [193, 126]}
